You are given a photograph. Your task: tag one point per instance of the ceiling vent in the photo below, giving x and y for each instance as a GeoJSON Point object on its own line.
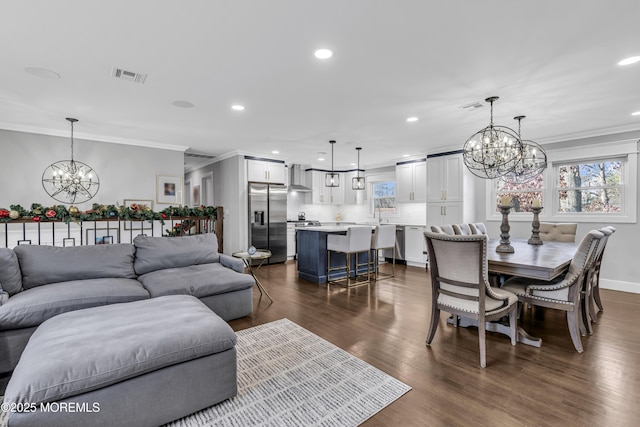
{"type": "Point", "coordinates": [472, 106]}
{"type": "Point", "coordinates": [131, 76]}
{"type": "Point", "coordinates": [199, 156]}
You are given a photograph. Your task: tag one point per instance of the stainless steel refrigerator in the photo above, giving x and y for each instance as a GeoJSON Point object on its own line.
{"type": "Point", "coordinates": [268, 219]}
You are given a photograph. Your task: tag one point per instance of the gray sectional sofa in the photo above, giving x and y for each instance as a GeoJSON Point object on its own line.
{"type": "Point", "coordinates": [40, 282]}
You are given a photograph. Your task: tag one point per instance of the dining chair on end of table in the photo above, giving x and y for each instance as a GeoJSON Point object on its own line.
{"type": "Point", "coordinates": [478, 228]}
{"type": "Point", "coordinates": [460, 285]}
{"type": "Point", "coordinates": [384, 237]}
{"type": "Point", "coordinates": [462, 229]}
{"type": "Point", "coordinates": [558, 232]}
{"type": "Point", "coordinates": [356, 241]}
{"type": "Point", "coordinates": [443, 229]}
{"type": "Point", "coordinates": [566, 294]}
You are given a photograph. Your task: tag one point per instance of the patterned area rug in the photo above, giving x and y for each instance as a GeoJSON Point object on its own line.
{"type": "Point", "coordinates": [288, 376]}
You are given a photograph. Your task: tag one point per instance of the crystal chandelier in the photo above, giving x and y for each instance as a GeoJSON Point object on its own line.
{"type": "Point", "coordinates": [332, 179]}
{"type": "Point", "coordinates": [357, 182]}
{"type": "Point", "coordinates": [70, 181]}
{"type": "Point", "coordinates": [493, 151]}
{"type": "Point", "coordinates": [533, 160]}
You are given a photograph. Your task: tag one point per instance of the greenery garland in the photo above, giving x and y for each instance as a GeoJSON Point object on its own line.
{"type": "Point", "coordinates": [40, 213]}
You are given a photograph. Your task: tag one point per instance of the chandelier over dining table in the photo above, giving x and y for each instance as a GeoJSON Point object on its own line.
{"type": "Point", "coordinates": [493, 151]}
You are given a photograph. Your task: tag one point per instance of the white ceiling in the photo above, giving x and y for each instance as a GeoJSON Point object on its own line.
{"type": "Point", "coordinates": [553, 61]}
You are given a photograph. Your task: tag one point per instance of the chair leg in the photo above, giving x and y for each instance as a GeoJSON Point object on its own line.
{"type": "Point", "coordinates": [585, 327]}
{"type": "Point", "coordinates": [596, 292]}
{"type": "Point", "coordinates": [328, 269]}
{"type": "Point", "coordinates": [513, 324]}
{"type": "Point", "coordinates": [483, 343]}
{"type": "Point", "coordinates": [435, 319]}
{"type": "Point", "coordinates": [573, 321]}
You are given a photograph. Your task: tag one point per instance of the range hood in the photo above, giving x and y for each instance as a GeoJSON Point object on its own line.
{"type": "Point", "coordinates": [297, 181]}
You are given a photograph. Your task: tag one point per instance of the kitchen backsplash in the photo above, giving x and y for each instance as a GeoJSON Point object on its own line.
{"type": "Point", "coordinates": [407, 213]}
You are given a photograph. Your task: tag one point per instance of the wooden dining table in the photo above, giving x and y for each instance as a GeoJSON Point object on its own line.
{"type": "Point", "coordinates": [540, 262]}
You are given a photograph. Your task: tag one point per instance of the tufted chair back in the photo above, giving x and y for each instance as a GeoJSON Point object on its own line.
{"type": "Point", "coordinates": [558, 232]}
{"type": "Point", "coordinates": [462, 229]}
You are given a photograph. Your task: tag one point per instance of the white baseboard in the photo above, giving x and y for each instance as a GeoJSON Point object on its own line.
{"type": "Point", "coordinates": [617, 285]}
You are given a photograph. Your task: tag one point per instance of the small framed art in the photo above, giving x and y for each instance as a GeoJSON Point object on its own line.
{"type": "Point", "coordinates": [102, 236]}
{"type": "Point", "coordinates": [169, 190]}
{"type": "Point", "coordinates": [195, 198]}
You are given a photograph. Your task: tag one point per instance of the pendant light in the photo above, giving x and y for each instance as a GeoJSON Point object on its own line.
{"type": "Point", "coordinates": [533, 160]}
{"type": "Point", "coordinates": [332, 179]}
{"type": "Point", "coordinates": [493, 151]}
{"type": "Point", "coordinates": [70, 181]}
{"type": "Point", "coordinates": [357, 183]}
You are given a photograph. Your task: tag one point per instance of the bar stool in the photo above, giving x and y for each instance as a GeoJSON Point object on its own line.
{"type": "Point", "coordinates": [384, 237]}
{"type": "Point", "coordinates": [357, 240]}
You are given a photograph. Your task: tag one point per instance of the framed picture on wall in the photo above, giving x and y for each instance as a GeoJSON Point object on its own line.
{"type": "Point", "coordinates": [195, 199]}
{"type": "Point", "coordinates": [169, 190]}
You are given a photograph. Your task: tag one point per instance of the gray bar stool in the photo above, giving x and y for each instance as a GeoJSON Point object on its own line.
{"type": "Point", "coordinates": [384, 237]}
{"type": "Point", "coordinates": [357, 240]}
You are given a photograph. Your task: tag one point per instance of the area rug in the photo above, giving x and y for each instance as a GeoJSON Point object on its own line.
{"type": "Point", "coordinates": [288, 376]}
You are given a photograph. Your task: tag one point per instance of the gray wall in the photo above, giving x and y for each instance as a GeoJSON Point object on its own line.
{"type": "Point", "coordinates": [125, 171]}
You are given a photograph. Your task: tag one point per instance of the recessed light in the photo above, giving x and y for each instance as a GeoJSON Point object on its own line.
{"type": "Point", "coordinates": [352, 164]}
{"type": "Point", "coordinates": [183, 104]}
{"type": "Point", "coordinates": [237, 107]}
{"type": "Point", "coordinates": [321, 159]}
{"type": "Point", "coordinates": [637, 113]}
{"type": "Point", "coordinates": [43, 73]}
{"type": "Point", "coordinates": [323, 54]}
{"type": "Point", "coordinates": [406, 155]}
{"type": "Point", "coordinates": [630, 60]}
{"type": "Point", "coordinates": [412, 119]}
{"type": "Point", "coordinates": [275, 152]}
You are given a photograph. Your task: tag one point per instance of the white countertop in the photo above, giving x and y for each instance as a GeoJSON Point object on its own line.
{"type": "Point", "coordinates": [331, 228]}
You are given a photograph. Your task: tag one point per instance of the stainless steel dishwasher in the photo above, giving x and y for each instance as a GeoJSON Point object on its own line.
{"type": "Point", "coordinates": [388, 254]}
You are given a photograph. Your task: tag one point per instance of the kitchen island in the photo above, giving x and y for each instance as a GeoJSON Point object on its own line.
{"type": "Point", "coordinates": [311, 244]}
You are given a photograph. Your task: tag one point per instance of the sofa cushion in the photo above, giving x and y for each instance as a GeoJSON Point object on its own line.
{"type": "Point", "coordinates": [86, 350]}
{"type": "Point", "coordinates": [33, 306]}
{"type": "Point", "coordinates": [10, 276]}
{"type": "Point", "coordinates": [50, 264]}
{"type": "Point", "coordinates": [158, 253]}
{"type": "Point", "coordinates": [196, 280]}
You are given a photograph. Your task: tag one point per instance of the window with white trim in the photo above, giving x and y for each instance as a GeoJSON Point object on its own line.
{"type": "Point", "coordinates": [522, 195]}
{"type": "Point", "coordinates": [384, 197]}
{"type": "Point", "coordinates": [588, 187]}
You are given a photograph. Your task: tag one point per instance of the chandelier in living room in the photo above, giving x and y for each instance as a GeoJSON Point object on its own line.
{"type": "Point", "coordinates": [493, 151]}
{"type": "Point", "coordinates": [70, 181]}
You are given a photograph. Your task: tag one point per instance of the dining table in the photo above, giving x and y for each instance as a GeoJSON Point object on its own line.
{"type": "Point", "coordinates": [539, 262]}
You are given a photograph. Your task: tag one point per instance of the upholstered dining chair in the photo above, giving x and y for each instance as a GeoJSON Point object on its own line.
{"type": "Point", "coordinates": [443, 229]}
{"type": "Point", "coordinates": [566, 294]}
{"type": "Point", "coordinates": [592, 288]}
{"type": "Point", "coordinates": [460, 285]}
{"type": "Point", "coordinates": [384, 237]}
{"type": "Point", "coordinates": [356, 241]}
{"type": "Point", "coordinates": [462, 229]}
{"type": "Point", "coordinates": [478, 228]}
{"type": "Point", "coordinates": [558, 232]}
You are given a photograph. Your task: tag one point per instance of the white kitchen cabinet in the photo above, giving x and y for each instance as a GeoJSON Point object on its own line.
{"type": "Point", "coordinates": [271, 172]}
{"type": "Point", "coordinates": [320, 193]}
{"type": "Point", "coordinates": [444, 213]}
{"type": "Point", "coordinates": [444, 178]}
{"type": "Point", "coordinates": [351, 196]}
{"type": "Point", "coordinates": [291, 241]}
{"type": "Point", "coordinates": [411, 182]}
{"type": "Point", "coordinates": [414, 246]}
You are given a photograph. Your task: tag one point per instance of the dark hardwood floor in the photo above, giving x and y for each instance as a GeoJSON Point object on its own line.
{"type": "Point", "coordinates": [386, 325]}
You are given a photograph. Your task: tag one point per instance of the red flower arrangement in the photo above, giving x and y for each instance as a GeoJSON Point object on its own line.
{"type": "Point", "coordinates": [4, 213]}
{"type": "Point", "coordinates": [50, 213]}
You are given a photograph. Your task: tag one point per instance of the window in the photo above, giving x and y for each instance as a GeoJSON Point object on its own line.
{"type": "Point", "coordinates": [522, 194]}
{"type": "Point", "coordinates": [384, 197]}
{"type": "Point", "coordinates": [593, 186]}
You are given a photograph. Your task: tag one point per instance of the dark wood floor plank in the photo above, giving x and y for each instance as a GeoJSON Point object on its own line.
{"type": "Point", "coordinates": [386, 325]}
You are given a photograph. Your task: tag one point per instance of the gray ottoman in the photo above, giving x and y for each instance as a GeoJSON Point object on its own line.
{"type": "Point", "coordinates": [141, 363]}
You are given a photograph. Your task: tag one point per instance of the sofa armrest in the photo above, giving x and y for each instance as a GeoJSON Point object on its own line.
{"type": "Point", "coordinates": [232, 263]}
